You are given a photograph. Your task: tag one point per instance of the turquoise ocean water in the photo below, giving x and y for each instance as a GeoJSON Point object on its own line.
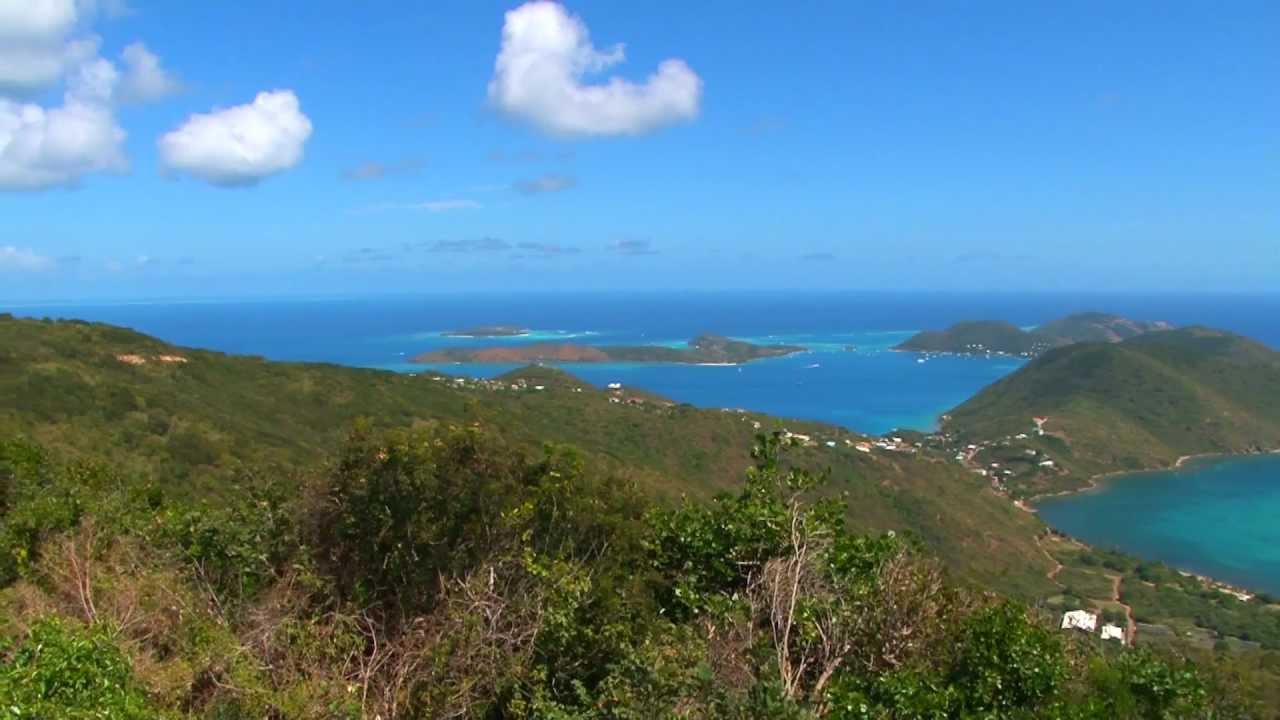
{"type": "Point", "coordinates": [1218, 517]}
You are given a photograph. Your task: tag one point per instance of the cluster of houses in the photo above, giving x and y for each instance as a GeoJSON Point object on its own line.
{"type": "Point", "coordinates": [517, 385]}
{"type": "Point", "coordinates": [998, 472]}
{"type": "Point", "coordinates": [1085, 621]}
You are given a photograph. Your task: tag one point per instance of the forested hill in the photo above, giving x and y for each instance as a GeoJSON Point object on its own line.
{"type": "Point", "coordinates": [1140, 403]}
{"type": "Point", "coordinates": [993, 337]}
{"type": "Point", "coordinates": [194, 418]}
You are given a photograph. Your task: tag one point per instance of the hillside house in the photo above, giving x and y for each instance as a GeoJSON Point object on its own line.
{"type": "Point", "coordinates": [1079, 620]}
{"type": "Point", "coordinates": [1113, 632]}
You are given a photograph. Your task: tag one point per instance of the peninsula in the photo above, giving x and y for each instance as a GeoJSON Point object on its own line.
{"type": "Point", "coordinates": [1001, 338]}
{"type": "Point", "coordinates": [488, 331]}
{"type": "Point", "coordinates": [702, 350]}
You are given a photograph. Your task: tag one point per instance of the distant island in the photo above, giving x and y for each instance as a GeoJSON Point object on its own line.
{"type": "Point", "coordinates": [702, 350]}
{"type": "Point", "coordinates": [484, 331]}
{"type": "Point", "coordinates": [988, 337]}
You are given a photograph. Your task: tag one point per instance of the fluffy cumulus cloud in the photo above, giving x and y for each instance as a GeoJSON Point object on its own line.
{"type": "Point", "coordinates": [44, 147]}
{"type": "Point", "coordinates": [34, 47]}
{"type": "Point", "coordinates": [23, 260]}
{"type": "Point", "coordinates": [240, 145]}
{"type": "Point", "coordinates": [541, 76]}
{"type": "Point", "coordinates": [43, 45]}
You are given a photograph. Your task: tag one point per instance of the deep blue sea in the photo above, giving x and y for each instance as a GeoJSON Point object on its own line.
{"type": "Point", "coordinates": [1221, 523]}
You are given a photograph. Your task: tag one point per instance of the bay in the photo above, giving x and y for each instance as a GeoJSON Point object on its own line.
{"type": "Point", "coordinates": [1214, 516]}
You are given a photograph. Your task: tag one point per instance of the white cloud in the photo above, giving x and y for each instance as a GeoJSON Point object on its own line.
{"type": "Point", "coordinates": [28, 19]}
{"type": "Point", "coordinates": [42, 45]}
{"type": "Point", "coordinates": [239, 145]}
{"type": "Point", "coordinates": [144, 79]}
{"type": "Point", "coordinates": [45, 147]}
{"type": "Point", "coordinates": [23, 260]}
{"type": "Point", "coordinates": [539, 76]}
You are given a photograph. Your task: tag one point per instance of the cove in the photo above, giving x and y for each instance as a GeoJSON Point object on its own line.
{"type": "Point", "coordinates": [1218, 517]}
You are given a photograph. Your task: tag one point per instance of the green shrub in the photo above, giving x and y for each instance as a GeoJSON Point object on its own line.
{"type": "Point", "coordinates": [69, 672]}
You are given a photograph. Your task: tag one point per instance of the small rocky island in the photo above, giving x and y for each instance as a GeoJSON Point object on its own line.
{"type": "Point", "coordinates": [489, 331]}
{"type": "Point", "coordinates": [988, 337]}
{"type": "Point", "coordinates": [702, 350]}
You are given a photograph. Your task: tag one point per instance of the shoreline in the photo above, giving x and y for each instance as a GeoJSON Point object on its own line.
{"type": "Point", "coordinates": [1095, 482]}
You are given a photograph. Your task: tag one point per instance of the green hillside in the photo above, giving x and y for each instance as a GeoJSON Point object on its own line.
{"type": "Point", "coordinates": [984, 337]}
{"type": "Point", "coordinates": [1141, 403]}
{"type": "Point", "coordinates": [975, 337]}
{"type": "Point", "coordinates": [74, 388]}
{"type": "Point", "coordinates": [1095, 327]}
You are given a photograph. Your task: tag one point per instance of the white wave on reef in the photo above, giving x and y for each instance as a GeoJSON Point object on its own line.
{"type": "Point", "coordinates": [530, 336]}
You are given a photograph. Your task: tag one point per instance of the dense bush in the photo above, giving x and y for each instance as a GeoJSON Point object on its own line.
{"type": "Point", "coordinates": [438, 573]}
{"type": "Point", "coordinates": [71, 673]}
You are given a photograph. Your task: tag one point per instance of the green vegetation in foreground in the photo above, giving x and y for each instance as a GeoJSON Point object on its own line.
{"type": "Point", "coordinates": [702, 349]}
{"type": "Point", "coordinates": [441, 572]}
{"type": "Point", "coordinates": [195, 426]}
{"type": "Point", "coordinates": [1134, 405]}
{"type": "Point", "coordinates": [992, 337]}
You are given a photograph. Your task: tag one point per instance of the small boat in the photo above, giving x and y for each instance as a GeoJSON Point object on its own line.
{"type": "Point", "coordinates": [810, 367]}
{"type": "Point", "coordinates": [920, 360]}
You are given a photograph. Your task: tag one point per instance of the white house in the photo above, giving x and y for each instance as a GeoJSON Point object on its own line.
{"type": "Point", "coordinates": [614, 386]}
{"type": "Point", "coordinates": [1113, 632]}
{"type": "Point", "coordinates": [1079, 620]}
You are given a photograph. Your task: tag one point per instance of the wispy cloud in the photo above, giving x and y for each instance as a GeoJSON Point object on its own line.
{"type": "Point", "coordinates": [633, 247]}
{"type": "Point", "coordinates": [986, 257]}
{"type": "Point", "coordinates": [377, 170]}
{"type": "Point", "coordinates": [470, 245]}
{"type": "Point", "coordinates": [439, 206]}
{"type": "Point", "coordinates": [529, 156]}
{"type": "Point", "coordinates": [23, 260]}
{"type": "Point", "coordinates": [369, 255]}
{"type": "Point", "coordinates": [545, 184]}
{"type": "Point", "coordinates": [138, 263]}
{"type": "Point", "coordinates": [538, 249]}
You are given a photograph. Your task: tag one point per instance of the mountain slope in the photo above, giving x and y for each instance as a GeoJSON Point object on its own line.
{"type": "Point", "coordinates": [192, 418]}
{"type": "Point", "coordinates": [1096, 327]}
{"type": "Point", "coordinates": [1140, 403]}
{"type": "Point", "coordinates": [983, 337]}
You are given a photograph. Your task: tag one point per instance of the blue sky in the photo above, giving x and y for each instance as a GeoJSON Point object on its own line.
{"type": "Point", "coordinates": [946, 145]}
